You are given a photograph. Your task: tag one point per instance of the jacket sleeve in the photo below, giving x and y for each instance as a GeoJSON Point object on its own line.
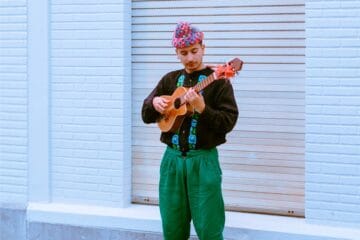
{"type": "Point", "coordinates": [148, 112]}
{"type": "Point", "coordinates": [223, 115]}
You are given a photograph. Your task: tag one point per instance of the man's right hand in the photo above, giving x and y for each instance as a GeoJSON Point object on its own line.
{"type": "Point", "coordinates": [160, 104]}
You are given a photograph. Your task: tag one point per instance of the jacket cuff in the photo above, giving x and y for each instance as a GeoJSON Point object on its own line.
{"type": "Point", "coordinates": [207, 114]}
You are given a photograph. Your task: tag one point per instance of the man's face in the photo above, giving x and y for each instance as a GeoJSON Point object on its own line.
{"type": "Point", "coordinates": [191, 57]}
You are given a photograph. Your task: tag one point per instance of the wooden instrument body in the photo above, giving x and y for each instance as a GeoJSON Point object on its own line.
{"type": "Point", "coordinates": [173, 117]}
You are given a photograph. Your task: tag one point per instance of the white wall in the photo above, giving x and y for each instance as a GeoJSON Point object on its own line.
{"type": "Point", "coordinates": [13, 101]}
{"type": "Point", "coordinates": [90, 99]}
{"type": "Point", "coordinates": [65, 78]}
{"type": "Point", "coordinates": [333, 112]}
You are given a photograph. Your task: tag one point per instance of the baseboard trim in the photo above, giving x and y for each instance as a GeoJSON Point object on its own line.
{"type": "Point", "coordinates": [147, 219]}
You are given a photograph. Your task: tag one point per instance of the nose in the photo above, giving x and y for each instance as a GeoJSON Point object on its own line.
{"type": "Point", "coordinates": [190, 57]}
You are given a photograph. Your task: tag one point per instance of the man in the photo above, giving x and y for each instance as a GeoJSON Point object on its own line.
{"type": "Point", "coordinates": [190, 174]}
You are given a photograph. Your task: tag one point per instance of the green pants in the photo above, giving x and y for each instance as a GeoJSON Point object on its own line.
{"type": "Point", "coordinates": [190, 189]}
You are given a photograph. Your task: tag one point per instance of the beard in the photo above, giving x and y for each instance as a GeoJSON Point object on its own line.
{"type": "Point", "coordinates": [193, 66]}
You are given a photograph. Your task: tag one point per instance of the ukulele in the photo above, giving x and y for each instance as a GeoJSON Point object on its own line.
{"type": "Point", "coordinates": [178, 108]}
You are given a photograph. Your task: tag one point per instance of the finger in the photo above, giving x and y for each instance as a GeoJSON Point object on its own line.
{"type": "Point", "coordinates": [186, 98]}
{"type": "Point", "coordinates": [160, 109]}
{"type": "Point", "coordinates": [159, 101]}
{"type": "Point", "coordinates": [189, 96]}
{"type": "Point", "coordinates": [191, 92]}
{"type": "Point", "coordinates": [164, 101]}
{"type": "Point", "coordinates": [163, 105]}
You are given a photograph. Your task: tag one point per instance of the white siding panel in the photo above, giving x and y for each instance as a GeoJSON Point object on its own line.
{"type": "Point", "coordinates": [89, 97]}
{"type": "Point", "coordinates": [13, 102]}
{"type": "Point", "coordinates": [263, 159]}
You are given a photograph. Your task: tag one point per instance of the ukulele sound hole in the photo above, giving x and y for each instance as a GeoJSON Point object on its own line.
{"type": "Point", "coordinates": [177, 103]}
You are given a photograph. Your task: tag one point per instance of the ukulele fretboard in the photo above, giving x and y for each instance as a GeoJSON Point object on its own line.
{"type": "Point", "coordinates": [206, 82]}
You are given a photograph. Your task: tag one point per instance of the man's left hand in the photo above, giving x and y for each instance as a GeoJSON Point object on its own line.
{"type": "Point", "coordinates": [195, 100]}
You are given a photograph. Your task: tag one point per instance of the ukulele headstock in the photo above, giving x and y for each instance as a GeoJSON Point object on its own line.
{"type": "Point", "coordinates": [229, 69]}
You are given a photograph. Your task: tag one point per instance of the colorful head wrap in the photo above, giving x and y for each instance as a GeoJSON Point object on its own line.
{"type": "Point", "coordinates": [185, 35]}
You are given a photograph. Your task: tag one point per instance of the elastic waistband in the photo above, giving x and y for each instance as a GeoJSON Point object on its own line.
{"type": "Point", "coordinates": [191, 153]}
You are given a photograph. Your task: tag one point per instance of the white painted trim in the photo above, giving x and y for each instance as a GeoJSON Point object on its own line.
{"type": "Point", "coordinates": [127, 158]}
{"type": "Point", "coordinates": [147, 218]}
{"type": "Point", "coordinates": [38, 87]}
{"type": "Point", "coordinates": [134, 217]}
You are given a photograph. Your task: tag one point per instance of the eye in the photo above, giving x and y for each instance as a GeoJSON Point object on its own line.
{"type": "Point", "coordinates": [194, 51]}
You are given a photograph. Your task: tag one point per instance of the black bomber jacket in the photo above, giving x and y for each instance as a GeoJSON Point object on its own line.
{"type": "Point", "coordinates": [217, 119]}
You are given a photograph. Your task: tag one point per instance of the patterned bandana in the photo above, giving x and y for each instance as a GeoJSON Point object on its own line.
{"type": "Point", "coordinates": [185, 35]}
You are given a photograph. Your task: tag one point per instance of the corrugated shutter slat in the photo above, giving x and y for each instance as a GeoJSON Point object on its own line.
{"type": "Point", "coordinates": [263, 159]}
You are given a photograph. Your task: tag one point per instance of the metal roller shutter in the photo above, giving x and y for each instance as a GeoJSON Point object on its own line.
{"type": "Point", "coordinates": [263, 160]}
